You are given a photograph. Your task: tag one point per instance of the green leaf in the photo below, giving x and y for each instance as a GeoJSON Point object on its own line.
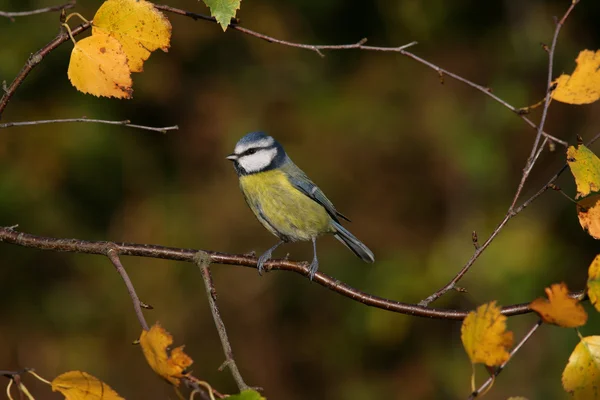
{"type": "Point", "coordinates": [248, 394]}
{"type": "Point", "coordinates": [223, 10]}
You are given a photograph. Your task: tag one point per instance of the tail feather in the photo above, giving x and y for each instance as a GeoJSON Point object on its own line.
{"type": "Point", "coordinates": [351, 242]}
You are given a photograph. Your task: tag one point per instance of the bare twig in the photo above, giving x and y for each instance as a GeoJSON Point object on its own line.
{"type": "Point", "coordinates": [451, 285]}
{"type": "Point", "coordinates": [85, 119]}
{"type": "Point", "coordinates": [113, 256]}
{"type": "Point", "coordinates": [548, 99]}
{"type": "Point", "coordinates": [360, 45]}
{"type": "Point", "coordinates": [9, 235]}
{"type": "Point", "coordinates": [202, 260]}
{"type": "Point", "coordinates": [485, 90]}
{"type": "Point", "coordinates": [535, 153]}
{"type": "Point", "coordinates": [489, 381]}
{"type": "Point", "coordinates": [61, 7]}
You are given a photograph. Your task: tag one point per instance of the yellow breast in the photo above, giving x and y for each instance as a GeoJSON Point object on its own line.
{"type": "Point", "coordinates": [283, 209]}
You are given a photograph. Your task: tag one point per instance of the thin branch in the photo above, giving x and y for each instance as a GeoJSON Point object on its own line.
{"type": "Point", "coordinates": [10, 235]}
{"type": "Point", "coordinates": [549, 89]}
{"type": "Point", "coordinates": [360, 45]}
{"type": "Point", "coordinates": [535, 153]}
{"type": "Point", "coordinates": [113, 255]}
{"type": "Point", "coordinates": [509, 215]}
{"type": "Point", "coordinates": [63, 36]}
{"type": "Point", "coordinates": [203, 260]}
{"type": "Point", "coordinates": [548, 99]}
{"type": "Point", "coordinates": [489, 381]}
{"type": "Point", "coordinates": [485, 90]}
{"type": "Point", "coordinates": [12, 15]}
{"type": "Point", "coordinates": [85, 119]}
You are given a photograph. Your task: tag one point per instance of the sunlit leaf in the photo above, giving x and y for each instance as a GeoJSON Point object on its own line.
{"type": "Point", "coordinates": [583, 85]}
{"type": "Point", "coordinates": [560, 309]}
{"type": "Point", "coordinates": [517, 398]}
{"type": "Point", "coordinates": [223, 10]}
{"type": "Point", "coordinates": [247, 395]}
{"type": "Point", "coordinates": [484, 335]}
{"type": "Point", "coordinates": [585, 167]}
{"type": "Point", "coordinates": [99, 66]}
{"type": "Point", "coordinates": [169, 366]}
{"type": "Point", "coordinates": [137, 25]}
{"type": "Point", "coordinates": [581, 376]}
{"type": "Point", "coordinates": [593, 283]}
{"type": "Point", "coordinates": [79, 385]}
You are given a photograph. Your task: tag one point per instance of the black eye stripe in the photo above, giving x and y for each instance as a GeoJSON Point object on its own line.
{"type": "Point", "coordinates": [253, 150]}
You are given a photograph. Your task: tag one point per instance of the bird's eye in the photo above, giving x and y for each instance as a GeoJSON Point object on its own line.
{"type": "Point", "coordinates": [251, 151]}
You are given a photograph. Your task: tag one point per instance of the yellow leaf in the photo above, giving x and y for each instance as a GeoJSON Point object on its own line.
{"type": "Point", "coordinates": [581, 376]}
{"type": "Point", "coordinates": [79, 385]}
{"type": "Point", "coordinates": [593, 283]}
{"type": "Point", "coordinates": [137, 25]}
{"type": "Point", "coordinates": [517, 398]}
{"type": "Point", "coordinates": [583, 86]}
{"type": "Point", "coordinates": [560, 309]}
{"type": "Point", "coordinates": [585, 167]}
{"type": "Point", "coordinates": [588, 212]}
{"type": "Point", "coordinates": [154, 345]}
{"type": "Point", "coordinates": [484, 335]}
{"type": "Point", "coordinates": [99, 66]}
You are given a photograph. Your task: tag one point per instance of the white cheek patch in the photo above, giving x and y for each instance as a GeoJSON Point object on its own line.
{"type": "Point", "coordinates": [257, 161]}
{"type": "Point", "coordinates": [242, 147]}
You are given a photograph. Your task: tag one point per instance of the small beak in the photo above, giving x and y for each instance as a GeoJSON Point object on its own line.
{"type": "Point", "coordinates": [232, 157]}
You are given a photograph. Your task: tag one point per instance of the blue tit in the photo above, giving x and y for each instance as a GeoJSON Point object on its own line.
{"type": "Point", "coordinates": [285, 200]}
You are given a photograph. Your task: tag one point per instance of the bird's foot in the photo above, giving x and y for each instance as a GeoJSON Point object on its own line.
{"type": "Point", "coordinates": [262, 260]}
{"type": "Point", "coordinates": [312, 268]}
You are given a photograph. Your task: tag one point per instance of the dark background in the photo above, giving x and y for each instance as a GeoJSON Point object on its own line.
{"type": "Point", "coordinates": [415, 164]}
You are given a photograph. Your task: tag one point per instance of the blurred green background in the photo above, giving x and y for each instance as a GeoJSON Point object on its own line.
{"type": "Point", "coordinates": [417, 165]}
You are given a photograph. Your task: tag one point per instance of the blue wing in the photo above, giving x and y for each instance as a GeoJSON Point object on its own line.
{"type": "Point", "coordinates": [300, 181]}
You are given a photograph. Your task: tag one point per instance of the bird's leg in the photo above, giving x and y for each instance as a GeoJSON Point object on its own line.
{"type": "Point", "coordinates": [265, 257]}
{"type": "Point", "coordinates": [314, 265]}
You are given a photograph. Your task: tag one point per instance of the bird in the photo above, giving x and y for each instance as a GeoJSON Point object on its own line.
{"type": "Point", "coordinates": [285, 200]}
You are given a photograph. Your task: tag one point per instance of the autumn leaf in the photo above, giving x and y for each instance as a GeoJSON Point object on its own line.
{"type": "Point", "coordinates": [137, 25]}
{"type": "Point", "coordinates": [484, 335]}
{"type": "Point", "coordinates": [581, 376]}
{"type": "Point", "coordinates": [560, 309]}
{"type": "Point", "coordinates": [593, 283]}
{"type": "Point", "coordinates": [99, 66]}
{"type": "Point", "coordinates": [79, 385]}
{"type": "Point", "coordinates": [247, 395]}
{"type": "Point", "coordinates": [154, 345]}
{"type": "Point", "coordinates": [585, 167]}
{"type": "Point", "coordinates": [588, 213]}
{"type": "Point", "coordinates": [517, 398]}
{"type": "Point", "coordinates": [583, 86]}
{"type": "Point", "coordinates": [223, 10]}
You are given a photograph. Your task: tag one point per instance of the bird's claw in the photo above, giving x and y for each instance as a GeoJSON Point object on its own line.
{"type": "Point", "coordinates": [312, 268]}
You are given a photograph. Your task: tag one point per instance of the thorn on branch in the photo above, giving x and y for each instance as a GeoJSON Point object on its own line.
{"type": "Point", "coordinates": [579, 140]}
{"type": "Point", "coordinates": [545, 47]}
{"type": "Point", "coordinates": [475, 240]}
{"type": "Point", "coordinates": [146, 306]}
{"type": "Point", "coordinates": [441, 75]}
{"type": "Point", "coordinates": [460, 289]}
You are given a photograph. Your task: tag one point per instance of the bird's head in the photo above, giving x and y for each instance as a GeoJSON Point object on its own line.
{"type": "Point", "coordinates": [257, 152]}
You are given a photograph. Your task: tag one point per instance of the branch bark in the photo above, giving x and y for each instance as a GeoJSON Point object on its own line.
{"type": "Point", "coordinates": [10, 235]}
